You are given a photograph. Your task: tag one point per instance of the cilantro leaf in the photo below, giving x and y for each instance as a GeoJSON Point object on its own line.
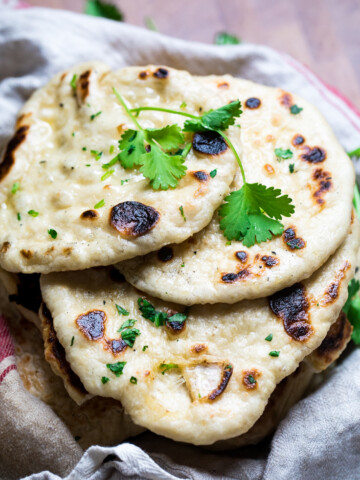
{"type": "Point", "coordinates": [149, 312]}
{"type": "Point", "coordinates": [161, 169]}
{"type": "Point", "coordinates": [121, 310]}
{"type": "Point", "coordinates": [219, 119]}
{"type": "Point", "coordinates": [243, 214]}
{"type": "Point", "coordinates": [223, 38]}
{"type": "Point", "coordinates": [132, 146]}
{"type": "Point", "coordinates": [354, 153]}
{"type": "Point", "coordinates": [295, 110]}
{"type": "Point", "coordinates": [117, 368]}
{"type": "Point", "coordinates": [169, 137]}
{"type": "Point", "coordinates": [127, 324]}
{"type": "Point", "coordinates": [282, 153]}
{"type": "Point", "coordinates": [52, 233]}
{"type": "Point", "coordinates": [98, 8]}
{"type": "Point", "coordinates": [129, 336]}
{"type": "Point", "coordinates": [178, 317]}
{"type": "Point", "coordinates": [164, 367]}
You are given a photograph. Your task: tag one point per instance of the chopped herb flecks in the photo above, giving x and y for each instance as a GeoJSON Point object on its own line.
{"type": "Point", "coordinates": [52, 233]}
{"type": "Point", "coordinates": [18, 215]}
{"type": "Point", "coordinates": [291, 167]}
{"type": "Point", "coordinates": [294, 109]}
{"type": "Point", "coordinates": [73, 81]}
{"type": "Point", "coordinates": [274, 353]}
{"type": "Point", "coordinates": [94, 115]}
{"type": "Point", "coordinates": [251, 379]}
{"type": "Point", "coordinates": [213, 173]}
{"type": "Point", "coordinates": [107, 174]}
{"type": "Point", "coordinates": [164, 367]}
{"type": "Point", "coordinates": [181, 208]}
{"type": "Point", "coordinates": [145, 347]}
{"type": "Point", "coordinates": [269, 337]}
{"type": "Point", "coordinates": [116, 368]}
{"type": "Point", "coordinates": [33, 213]}
{"type": "Point", "coordinates": [100, 204]}
{"type": "Point", "coordinates": [283, 154]}
{"type": "Point", "coordinates": [105, 380]}
{"type": "Point", "coordinates": [121, 310]}
{"type": "Point", "coordinates": [133, 380]}
{"type": "Point", "coordinates": [72, 341]}
{"type": "Point", "coordinates": [96, 154]}
{"type": "Point", "coordinates": [15, 187]}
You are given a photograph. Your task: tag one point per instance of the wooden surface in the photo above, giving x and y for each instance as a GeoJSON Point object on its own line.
{"type": "Point", "coordinates": [323, 34]}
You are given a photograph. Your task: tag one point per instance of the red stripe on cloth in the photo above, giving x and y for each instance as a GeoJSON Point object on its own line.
{"type": "Point", "coordinates": [6, 344]}
{"type": "Point", "coordinates": [6, 371]}
{"type": "Point", "coordinates": [308, 74]}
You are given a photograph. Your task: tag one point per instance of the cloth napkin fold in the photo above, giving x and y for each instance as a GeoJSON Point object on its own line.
{"type": "Point", "coordinates": [320, 438]}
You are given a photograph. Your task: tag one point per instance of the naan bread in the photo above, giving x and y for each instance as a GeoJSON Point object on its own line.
{"type": "Point", "coordinates": [205, 269]}
{"type": "Point", "coordinates": [210, 378]}
{"type": "Point", "coordinates": [61, 181]}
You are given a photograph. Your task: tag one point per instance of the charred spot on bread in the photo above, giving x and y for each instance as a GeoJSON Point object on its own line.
{"type": "Point", "coordinates": [297, 140]}
{"type": "Point", "coordinates": [291, 240]}
{"type": "Point", "coordinates": [314, 154]}
{"type": "Point", "coordinates": [133, 219]}
{"type": "Point", "coordinates": [89, 215]}
{"type": "Point", "coordinates": [270, 261]}
{"type": "Point", "coordinates": [9, 155]}
{"type": "Point", "coordinates": [209, 143]}
{"type": "Point", "coordinates": [233, 277]}
{"type": "Point", "coordinates": [253, 103]}
{"type": "Point", "coordinates": [92, 324]}
{"type": "Point", "coordinates": [201, 176]}
{"type": "Point", "coordinates": [161, 73]}
{"type": "Point", "coordinates": [242, 256]}
{"type": "Point", "coordinates": [226, 375]}
{"type": "Point", "coordinates": [249, 378]}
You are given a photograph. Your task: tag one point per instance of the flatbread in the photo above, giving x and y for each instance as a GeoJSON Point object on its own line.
{"type": "Point", "coordinates": [61, 181]}
{"type": "Point", "coordinates": [209, 378]}
{"type": "Point", "coordinates": [205, 268]}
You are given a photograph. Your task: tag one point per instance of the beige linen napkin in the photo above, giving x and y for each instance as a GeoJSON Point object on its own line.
{"type": "Point", "coordinates": [320, 438]}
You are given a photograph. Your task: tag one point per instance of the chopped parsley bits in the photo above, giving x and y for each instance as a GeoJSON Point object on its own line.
{"type": "Point", "coordinates": [121, 310]}
{"type": "Point", "coordinates": [18, 215]}
{"type": "Point", "coordinates": [94, 115]}
{"type": "Point", "coordinates": [105, 380]}
{"type": "Point", "coordinates": [84, 149]}
{"type": "Point", "coordinates": [183, 105]}
{"type": "Point", "coordinates": [224, 38]}
{"type": "Point", "coordinates": [73, 134]}
{"type": "Point", "coordinates": [213, 173]}
{"type": "Point", "coordinates": [111, 149]}
{"type": "Point", "coordinates": [354, 153]}
{"type": "Point", "coordinates": [73, 81]}
{"type": "Point", "coordinates": [269, 337]}
{"type": "Point", "coordinates": [145, 347]}
{"type": "Point", "coordinates": [15, 187]}
{"type": "Point", "coordinates": [164, 367]}
{"type": "Point", "coordinates": [116, 368]}
{"type": "Point", "coordinates": [52, 233]}
{"type": "Point", "coordinates": [100, 204]}
{"type": "Point", "coordinates": [133, 380]}
{"type": "Point", "coordinates": [291, 167]}
{"type": "Point", "coordinates": [96, 154]}
{"type": "Point", "coordinates": [181, 208]}
{"type": "Point", "coordinates": [107, 174]}
{"type": "Point", "coordinates": [128, 323]}
{"type": "Point", "coordinates": [124, 181]}
{"type": "Point", "coordinates": [182, 265]}
{"type": "Point", "coordinates": [274, 353]}
{"type": "Point", "coordinates": [72, 341]}
{"type": "Point", "coordinates": [251, 379]}
{"type": "Point", "coordinates": [283, 154]}
{"type": "Point", "coordinates": [33, 213]}
{"type": "Point", "coordinates": [129, 334]}
{"type": "Point", "coordinates": [148, 311]}
{"type": "Point", "coordinates": [294, 109]}
{"type": "Point", "coordinates": [228, 367]}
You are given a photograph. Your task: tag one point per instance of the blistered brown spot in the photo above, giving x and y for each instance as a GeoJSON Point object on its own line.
{"type": "Point", "coordinates": [324, 184]}
{"type": "Point", "coordinates": [291, 240]}
{"type": "Point", "coordinates": [26, 253]}
{"type": "Point", "coordinates": [227, 372]}
{"type": "Point", "coordinates": [133, 219]}
{"type": "Point", "coordinates": [223, 85]}
{"type": "Point", "coordinates": [144, 74]}
{"type": "Point", "coordinates": [233, 277]}
{"type": "Point", "coordinates": [9, 155]}
{"type": "Point", "coordinates": [333, 290]}
{"type": "Point", "coordinates": [199, 348]}
{"type": "Point", "coordinates": [249, 378]}
{"type": "Point", "coordinates": [92, 324]}
{"type": "Point", "coordinates": [120, 128]}
{"type": "Point", "coordinates": [21, 119]}
{"type": "Point", "coordinates": [165, 254]}
{"type": "Point", "coordinates": [201, 176]}
{"type": "Point", "coordinates": [161, 73]}
{"type": "Point", "coordinates": [286, 99]}
{"type": "Point", "coordinates": [55, 353]}
{"type": "Point", "coordinates": [175, 327]}
{"type": "Point", "coordinates": [334, 343]}
{"type": "Point", "coordinates": [210, 143]}
{"type": "Point", "coordinates": [252, 103]}
{"type": "Point", "coordinates": [89, 215]}
{"type": "Point", "coordinates": [270, 261]}
{"type": "Point", "coordinates": [297, 140]}
{"type": "Point", "coordinates": [28, 291]}
{"type": "Point", "coordinates": [5, 247]}
{"type": "Point", "coordinates": [67, 251]}
{"type": "Point", "coordinates": [82, 86]}
{"type": "Point", "coordinates": [116, 346]}
{"type": "Point", "coordinates": [49, 250]}
{"type": "Point", "coordinates": [314, 154]}
{"type": "Point", "coordinates": [63, 76]}
{"type": "Point", "coordinates": [269, 169]}
{"type": "Point", "coordinates": [291, 305]}
{"type": "Point", "coordinates": [242, 256]}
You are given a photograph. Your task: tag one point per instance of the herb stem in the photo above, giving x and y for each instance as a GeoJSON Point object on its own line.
{"type": "Point", "coordinates": [121, 100]}
{"type": "Point", "coordinates": [186, 150]}
{"type": "Point", "coordinates": [226, 138]}
{"type": "Point", "coordinates": [356, 200]}
{"type": "Point", "coordinates": [166, 110]}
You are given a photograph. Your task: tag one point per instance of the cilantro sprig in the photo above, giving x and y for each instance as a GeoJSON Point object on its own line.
{"type": "Point", "coordinates": [157, 317]}
{"type": "Point", "coordinates": [251, 214]}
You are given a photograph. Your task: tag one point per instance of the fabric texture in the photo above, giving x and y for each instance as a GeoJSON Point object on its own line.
{"type": "Point", "coordinates": [320, 438]}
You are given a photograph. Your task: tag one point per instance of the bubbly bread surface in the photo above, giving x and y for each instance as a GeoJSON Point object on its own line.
{"type": "Point", "coordinates": [209, 377]}
{"type": "Point", "coordinates": [318, 176]}
{"type": "Point", "coordinates": [66, 132]}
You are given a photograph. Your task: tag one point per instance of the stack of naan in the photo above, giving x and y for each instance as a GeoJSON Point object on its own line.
{"type": "Point", "coordinates": [225, 338]}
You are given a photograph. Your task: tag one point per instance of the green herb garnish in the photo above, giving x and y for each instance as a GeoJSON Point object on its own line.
{"type": "Point", "coordinates": [94, 115]}
{"type": "Point", "coordinates": [99, 8]}
{"type": "Point", "coordinates": [33, 213]}
{"type": "Point", "coordinates": [121, 310]}
{"type": "Point", "coordinates": [150, 24]}
{"type": "Point", "coordinates": [145, 347]}
{"type": "Point", "coordinates": [15, 187]}
{"type": "Point", "coordinates": [133, 380]}
{"type": "Point", "coordinates": [283, 154]}
{"type": "Point", "coordinates": [354, 153]}
{"type": "Point", "coordinates": [72, 341]}
{"type": "Point", "coordinates": [181, 209]}
{"type": "Point", "coordinates": [100, 204]}
{"type": "Point", "coordinates": [294, 109]}
{"type": "Point", "coordinates": [18, 215]}
{"type": "Point", "coordinates": [269, 337]}
{"type": "Point", "coordinates": [213, 173]}
{"type": "Point", "coordinates": [107, 174]}
{"type": "Point", "coordinates": [105, 380]}
{"type": "Point", "coordinates": [274, 353]}
{"type": "Point", "coordinates": [251, 379]}
{"type": "Point", "coordinates": [129, 335]}
{"type": "Point", "coordinates": [128, 323]}
{"type": "Point", "coordinates": [96, 154]}
{"type": "Point", "coordinates": [116, 368]}
{"type": "Point", "coordinates": [223, 38]}
{"type": "Point", "coordinates": [149, 312]}
{"type": "Point", "coordinates": [183, 105]}
{"type": "Point", "coordinates": [52, 233]}
{"type": "Point", "coordinates": [164, 367]}
{"type": "Point", "coordinates": [73, 81]}
{"type": "Point", "coordinates": [291, 167]}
